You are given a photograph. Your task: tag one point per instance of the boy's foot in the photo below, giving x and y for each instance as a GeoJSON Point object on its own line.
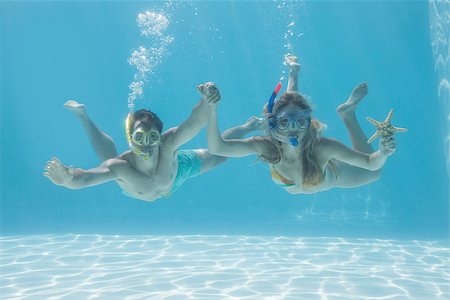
{"type": "Point", "coordinates": [75, 107]}
{"type": "Point", "coordinates": [349, 106]}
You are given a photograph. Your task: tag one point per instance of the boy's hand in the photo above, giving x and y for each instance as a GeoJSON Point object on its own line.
{"type": "Point", "coordinates": [58, 173]}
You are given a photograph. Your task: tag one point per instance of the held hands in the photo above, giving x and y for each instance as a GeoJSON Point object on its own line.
{"type": "Point", "coordinates": [58, 173]}
{"type": "Point", "coordinates": [387, 145]}
{"type": "Point", "coordinates": [209, 91]}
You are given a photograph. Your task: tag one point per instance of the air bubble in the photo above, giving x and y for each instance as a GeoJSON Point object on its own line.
{"type": "Point", "coordinates": [152, 25]}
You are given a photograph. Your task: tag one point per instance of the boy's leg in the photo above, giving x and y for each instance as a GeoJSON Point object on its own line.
{"type": "Point", "coordinates": [102, 143]}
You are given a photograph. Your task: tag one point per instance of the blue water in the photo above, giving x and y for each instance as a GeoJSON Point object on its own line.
{"type": "Point", "coordinates": [55, 51]}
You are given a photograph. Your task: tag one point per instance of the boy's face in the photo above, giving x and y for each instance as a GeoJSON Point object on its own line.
{"type": "Point", "coordinates": [145, 138]}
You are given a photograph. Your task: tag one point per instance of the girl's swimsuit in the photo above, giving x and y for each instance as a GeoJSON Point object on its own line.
{"type": "Point", "coordinates": [278, 179]}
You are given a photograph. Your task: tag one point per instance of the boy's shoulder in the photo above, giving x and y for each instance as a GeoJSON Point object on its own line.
{"type": "Point", "coordinates": [121, 161]}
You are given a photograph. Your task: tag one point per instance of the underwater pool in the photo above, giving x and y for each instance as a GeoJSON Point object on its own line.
{"type": "Point", "coordinates": [230, 233]}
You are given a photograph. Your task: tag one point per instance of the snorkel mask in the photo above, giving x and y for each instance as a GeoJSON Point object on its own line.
{"type": "Point", "coordinates": [142, 143]}
{"type": "Point", "coordinates": [285, 127]}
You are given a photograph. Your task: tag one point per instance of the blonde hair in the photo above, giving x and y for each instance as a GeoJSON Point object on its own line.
{"type": "Point", "coordinates": [312, 174]}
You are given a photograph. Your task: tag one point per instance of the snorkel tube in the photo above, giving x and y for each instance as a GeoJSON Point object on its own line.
{"type": "Point", "coordinates": [272, 98]}
{"type": "Point", "coordinates": [293, 138]}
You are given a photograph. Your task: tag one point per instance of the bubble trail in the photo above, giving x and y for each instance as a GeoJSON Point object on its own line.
{"type": "Point", "coordinates": [152, 25]}
{"type": "Point", "coordinates": [288, 13]}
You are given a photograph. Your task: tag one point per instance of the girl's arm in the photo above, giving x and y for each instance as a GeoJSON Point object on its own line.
{"type": "Point", "coordinates": [235, 147]}
{"type": "Point", "coordinates": [330, 148]}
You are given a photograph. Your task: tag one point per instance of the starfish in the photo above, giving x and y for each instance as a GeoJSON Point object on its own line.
{"type": "Point", "coordinates": [384, 128]}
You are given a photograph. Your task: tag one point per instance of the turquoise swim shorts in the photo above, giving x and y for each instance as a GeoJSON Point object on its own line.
{"type": "Point", "coordinates": [189, 165]}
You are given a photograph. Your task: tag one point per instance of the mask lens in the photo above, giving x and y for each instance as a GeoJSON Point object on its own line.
{"type": "Point", "coordinates": [299, 121]}
{"type": "Point", "coordinates": [138, 136]}
{"type": "Point", "coordinates": [154, 137]}
{"type": "Point", "coordinates": [282, 122]}
{"type": "Point", "coordinates": [149, 138]}
{"type": "Point", "coordinates": [303, 122]}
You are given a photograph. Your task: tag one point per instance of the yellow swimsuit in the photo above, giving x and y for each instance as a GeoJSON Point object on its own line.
{"type": "Point", "coordinates": [279, 179]}
{"type": "Point", "coordinates": [284, 182]}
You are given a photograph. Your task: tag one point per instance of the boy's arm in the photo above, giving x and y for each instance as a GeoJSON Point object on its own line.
{"type": "Point", "coordinates": [75, 178]}
{"type": "Point", "coordinates": [177, 136]}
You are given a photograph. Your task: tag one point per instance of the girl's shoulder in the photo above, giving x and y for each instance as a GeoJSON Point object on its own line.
{"type": "Point", "coordinates": [266, 142]}
{"type": "Point", "coordinates": [324, 146]}
{"type": "Point", "coordinates": [326, 142]}
{"type": "Point", "coordinates": [270, 151]}
{"type": "Point", "coordinates": [327, 148]}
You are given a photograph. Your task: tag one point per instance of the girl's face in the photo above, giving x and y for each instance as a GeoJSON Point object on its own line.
{"type": "Point", "coordinates": [290, 123]}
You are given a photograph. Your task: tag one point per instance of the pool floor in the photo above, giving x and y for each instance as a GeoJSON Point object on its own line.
{"type": "Point", "coordinates": [77, 266]}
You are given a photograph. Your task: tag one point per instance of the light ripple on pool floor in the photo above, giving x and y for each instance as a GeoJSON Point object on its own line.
{"type": "Point", "coordinates": [221, 267]}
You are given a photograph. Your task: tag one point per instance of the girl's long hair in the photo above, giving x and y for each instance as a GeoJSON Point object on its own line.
{"type": "Point", "coordinates": [312, 174]}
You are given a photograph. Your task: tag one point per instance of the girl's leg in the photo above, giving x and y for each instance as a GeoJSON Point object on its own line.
{"type": "Point", "coordinates": [294, 68]}
{"type": "Point", "coordinates": [351, 176]}
{"type": "Point", "coordinates": [102, 143]}
{"type": "Point", "coordinates": [347, 113]}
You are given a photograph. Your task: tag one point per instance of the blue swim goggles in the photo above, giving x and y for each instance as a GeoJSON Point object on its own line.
{"type": "Point", "coordinates": [285, 127]}
{"type": "Point", "coordinates": [292, 121]}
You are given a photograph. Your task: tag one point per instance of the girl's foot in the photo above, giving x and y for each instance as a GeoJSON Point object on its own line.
{"type": "Point", "coordinates": [349, 106]}
{"type": "Point", "coordinates": [292, 61]}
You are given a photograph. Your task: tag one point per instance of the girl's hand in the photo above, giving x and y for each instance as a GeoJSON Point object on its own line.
{"type": "Point", "coordinates": [387, 145]}
{"type": "Point", "coordinates": [255, 123]}
{"type": "Point", "coordinates": [209, 91]}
